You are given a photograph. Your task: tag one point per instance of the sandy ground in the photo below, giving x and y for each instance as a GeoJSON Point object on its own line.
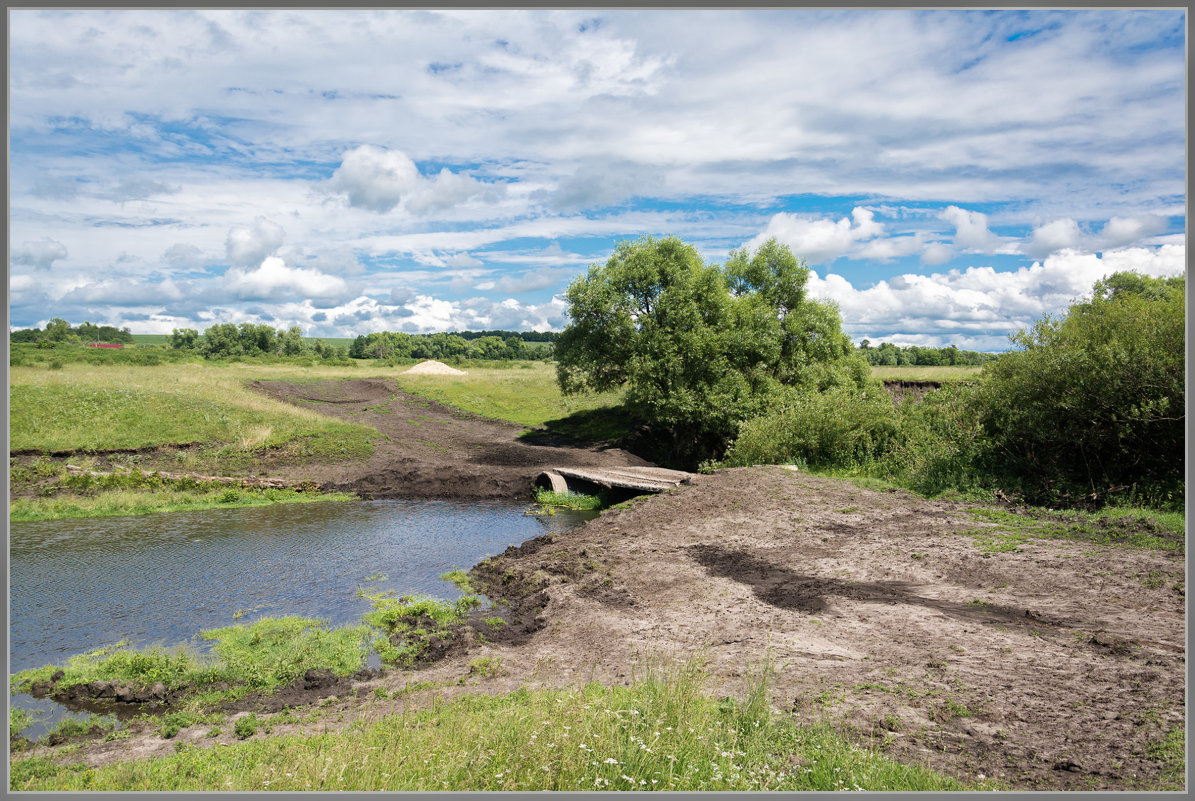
{"type": "Point", "coordinates": [1051, 667]}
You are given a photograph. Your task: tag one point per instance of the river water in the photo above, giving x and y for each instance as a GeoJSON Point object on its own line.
{"type": "Point", "coordinates": [80, 584]}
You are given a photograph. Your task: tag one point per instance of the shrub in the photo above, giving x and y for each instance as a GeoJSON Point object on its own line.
{"type": "Point", "coordinates": [1093, 402]}
{"type": "Point", "coordinates": [940, 443]}
{"type": "Point", "coordinates": [841, 427]}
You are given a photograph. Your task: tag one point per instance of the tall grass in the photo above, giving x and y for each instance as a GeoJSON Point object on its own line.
{"type": "Point", "coordinates": [662, 733]}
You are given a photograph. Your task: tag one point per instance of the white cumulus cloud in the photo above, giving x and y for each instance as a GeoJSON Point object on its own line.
{"type": "Point", "coordinates": [971, 232]}
{"type": "Point", "coordinates": [247, 246]}
{"type": "Point", "coordinates": [273, 280]}
{"type": "Point", "coordinates": [819, 240]}
{"type": "Point", "coordinates": [980, 304]}
{"type": "Point", "coordinates": [380, 179]}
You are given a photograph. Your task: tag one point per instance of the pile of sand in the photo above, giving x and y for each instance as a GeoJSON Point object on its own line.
{"type": "Point", "coordinates": [432, 367]}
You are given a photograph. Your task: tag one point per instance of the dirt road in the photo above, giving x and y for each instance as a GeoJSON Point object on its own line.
{"type": "Point", "coordinates": [428, 449]}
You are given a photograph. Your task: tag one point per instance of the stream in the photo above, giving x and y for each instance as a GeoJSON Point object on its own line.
{"type": "Point", "coordinates": [80, 584]}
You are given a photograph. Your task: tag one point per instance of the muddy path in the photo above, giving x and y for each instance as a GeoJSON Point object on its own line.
{"type": "Point", "coordinates": [1045, 663]}
{"type": "Point", "coordinates": [427, 449]}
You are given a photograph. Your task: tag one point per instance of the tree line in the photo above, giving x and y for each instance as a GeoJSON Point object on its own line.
{"type": "Point", "coordinates": [451, 346]}
{"type": "Point", "coordinates": [887, 354]}
{"type": "Point", "coordinates": [226, 340]}
{"type": "Point", "coordinates": [60, 331]}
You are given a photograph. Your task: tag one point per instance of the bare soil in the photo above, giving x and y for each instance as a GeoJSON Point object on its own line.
{"type": "Point", "coordinates": [1055, 666]}
{"type": "Point", "coordinates": [428, 449]}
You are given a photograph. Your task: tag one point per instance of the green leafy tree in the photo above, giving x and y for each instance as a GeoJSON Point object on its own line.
{"type": "Point", "coordinates": [57, 330]}
{"type": "Point", "coordinates": [290, 343]}
{"type": "Point", "coordinates": [1093, 402]}
{"type": "Point", "coordinates": [221, 339]}
{"type": "Point", "coordinates": [184, 339]}
{"type": "Point", "coordinates": [700, 348]}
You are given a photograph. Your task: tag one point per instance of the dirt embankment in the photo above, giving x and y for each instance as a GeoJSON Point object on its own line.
{"type": "Point", "coordinates": [1060, 665]}
{"type": "Point", "coordinates": [1048, 664]}
{"type": "Point", "coordinates": [428, 449]}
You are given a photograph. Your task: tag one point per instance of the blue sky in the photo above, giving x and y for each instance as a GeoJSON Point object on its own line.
{"type": "Point", "coordinates": [950, 176]}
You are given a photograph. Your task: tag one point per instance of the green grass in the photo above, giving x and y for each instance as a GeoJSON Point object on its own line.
{"type": "Point", "coordinates": [410, 624]}
{"type": "Point", "coordinates": [1171, 751]}
{"type": "Point", "coordinates": [661, 733]}
{"type": "Point", "coordinates": [568, 500]}
{"type": "Point", "coordinates": [114, 503]}
{"type": "Point", "coordinates": [18, 720]}
{"type": "Point", "coordinates": [263, 655]}
{"type": "Point", "coordinates": [914, 373]}
{"type": "Point", "coordinates": [87, 408]}
{"type": "Point", "coordinates": [1162, 531]}
{"type": "Point", "coordinates": [151, 339]}
{"type": "Point", "coordinates": [527, 395]}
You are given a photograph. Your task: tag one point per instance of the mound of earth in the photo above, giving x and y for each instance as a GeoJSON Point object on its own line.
{"type": "Point", "coordinates": [433, 367]}
{"type": "Point", "coordinates": [428, 449]}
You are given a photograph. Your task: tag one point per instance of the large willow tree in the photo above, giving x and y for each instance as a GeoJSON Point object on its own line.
{"type": "Point", "coordinates": [700, 348]}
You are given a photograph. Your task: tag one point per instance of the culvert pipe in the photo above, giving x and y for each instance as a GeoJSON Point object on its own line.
{"type": "Point", "coordinates": [550, 480]}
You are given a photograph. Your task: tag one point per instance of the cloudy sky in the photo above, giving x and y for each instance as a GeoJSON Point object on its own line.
{"type": "Point", "coordinates": [949, 176]}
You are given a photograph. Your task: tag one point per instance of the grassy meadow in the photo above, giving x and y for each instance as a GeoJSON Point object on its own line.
{"type": "Point", "coordinates": [661, 733]}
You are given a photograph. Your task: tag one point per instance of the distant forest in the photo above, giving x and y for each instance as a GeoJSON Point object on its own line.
{"type": "Point", "coordinates": [887, 354]}
{"type": "Point", "coordinates": [59, 330]}
{"type": "Point", "coordinates": [248, 339]}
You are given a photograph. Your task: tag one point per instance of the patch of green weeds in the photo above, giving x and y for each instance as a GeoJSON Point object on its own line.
{"type": "Point", "coordinates": [495, 622]}
{"type": "Point", "coordinates": [1117, 526]}
{"type": "Point", "coordinates": [459, 579]}
{"type": "Point", "coordinates": [413, 687]}
{"type": "Point", "coordinates": [174, 722]}
{"type": "Point", "coordinates": [411, 623]}
{"type": "Point", "coordinates": [1171, 751]}
{"type": "Point", "coordinates": [485, 666]}
{"type": "Point", "coordinates": [264, 655]}
{"type": "Point", "coordinates": [568, 500]}
{"type": "Point", "coordinates": [246, 727]}
{"type": "Point", "coordinates": [955, 709]}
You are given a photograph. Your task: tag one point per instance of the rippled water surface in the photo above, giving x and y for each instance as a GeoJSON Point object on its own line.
{"type": "Point", "coordinates": [77, 585]}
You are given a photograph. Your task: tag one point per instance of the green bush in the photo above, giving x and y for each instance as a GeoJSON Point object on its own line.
{"type": "Point", "coordinates": [940, 444]}
{"type": "Point", "coordinates": [839, 428]}
{"type": "Point", "coordinates": [1092, 404]}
